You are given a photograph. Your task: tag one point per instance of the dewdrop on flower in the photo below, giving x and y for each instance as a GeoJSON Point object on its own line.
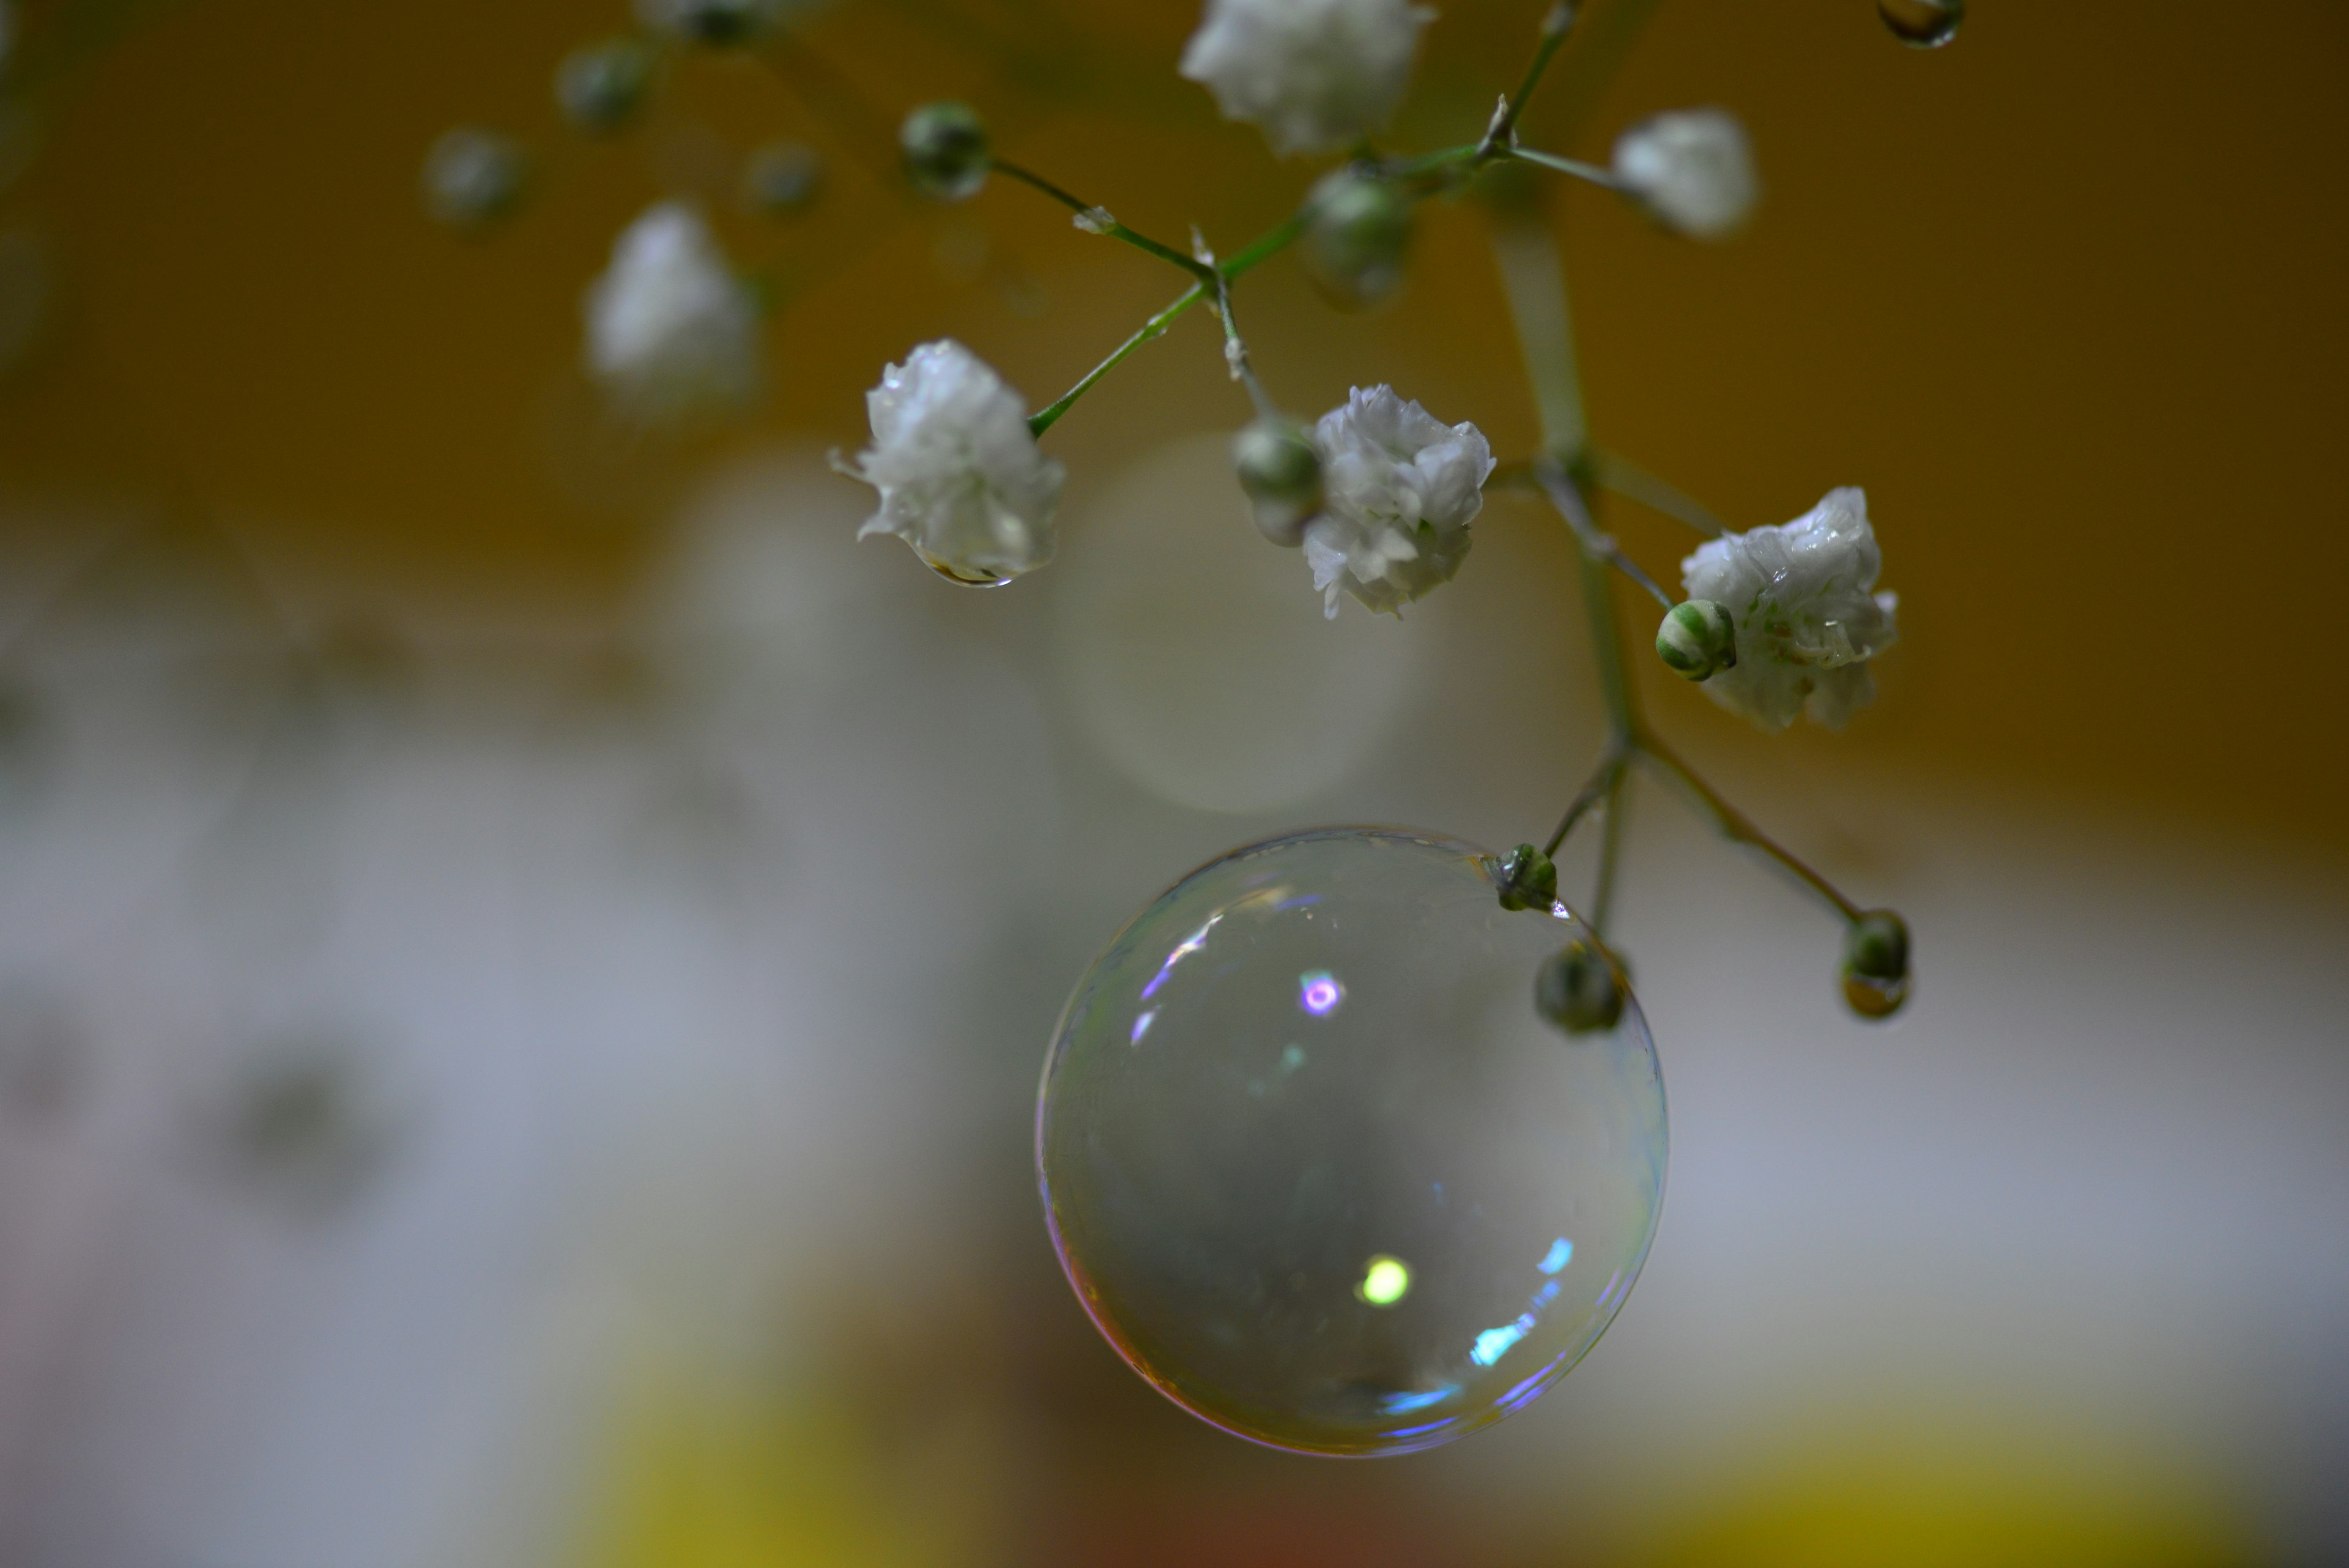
{"type": "Point", "coordinates": [1691, 169]}
{"type": "Point", "coordinates": [1315, 74]}
{"type": "Point", "coordinates": [670, 329]}
{"type": "Point", "coordinates": [1808, 621]}
{"type": "Point", "coordinates": [961, 478]}
{"type": "Point", "coordinates": [1399, 491]}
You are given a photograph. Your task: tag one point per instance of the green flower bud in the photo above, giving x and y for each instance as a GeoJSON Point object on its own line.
{"type": "Point", "coordinates": [473, 178]}
{"type": "Point", "coordinates": [720, 23]}
{"type": "Point", "coordinates": [947, 149]}
{"type": "Point", "coordinates": [782, 180]}
{"type": "Point", "coordinates": [1579, 989]}
{"type": "Point", "coordinates": [1282, 476]}
{"type": "Point", "coordinates": [601, 87]}
{"type": "Point", "coordinates": [1527, 879]}
{"type": "Point", "coordinates": [1698, 639]}
{"type": "Point", "coordinates": [1876, 964]}
{"type": "Point", "coordinates": [1357, 238]}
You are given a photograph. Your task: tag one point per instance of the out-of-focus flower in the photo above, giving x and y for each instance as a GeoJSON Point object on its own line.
{"type": "Point", "coordinates": [782, 179]}
{"type": "Point", "coordinates": [600, 86]}
{"type": "Point", "coordinates": [1692, 170]}
{"type": "Point", "coordinates": [1400, 489]}
{"type": "Point", "coordinates": [1315, 74]}
{"type": "Point", "coordinates": [1808, 619]}
{"type": "Point", "coordinates": [670, 328]}
{"type": "Point", "coordinates": [473, 178]}
{"type": "Point", "coordinates": [961, 478]}
{"type": "Point", "coordinates": [720, 23]}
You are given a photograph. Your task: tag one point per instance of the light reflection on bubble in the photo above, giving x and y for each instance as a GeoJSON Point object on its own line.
{"type": "Point", "coordinates": [1319, 993]}
{"type": "Point", "coordinates": [1348, 1233]}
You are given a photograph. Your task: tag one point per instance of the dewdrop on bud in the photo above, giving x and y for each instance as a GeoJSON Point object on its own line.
{"type": "Point", "coordinates": [472, 179]}
{"type": "Point", "coordinates": [1282, 476]}
{"type": "Point", "coordinates": [1698, 639]}
{"type": "Point", "coordinates": [1578, 990]}
{"type": "Point", "coordinates": [1876, 964]}
{"type": "Point", "coordinates": [1527, 879]}
{"type": "Point", "coordinates": [1922, 24]}
{"type": "Point", "coordinates": [600, 88]}
{"type": "Point", "coordinates": [782, 180]}
{"type": "Point", "coordinates": [1357, 237]}
{"type": "Point", "coordinates": [946, 151]}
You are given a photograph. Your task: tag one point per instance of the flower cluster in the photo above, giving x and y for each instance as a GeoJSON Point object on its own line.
{"type": "Point", "coordinates": [1399, 490]}
{"type": "Point", "coordinates": [960, 477]}
{"type": "Point", "coordinates": [1316, 75]}
{"type": "Point", "coordinates": [1807, 619]}
{"type": "Point", "coordinates": [670, 329]}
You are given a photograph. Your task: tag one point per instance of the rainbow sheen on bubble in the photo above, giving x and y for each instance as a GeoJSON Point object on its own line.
{"type": "Point", "coordinates": [1318, 1168]}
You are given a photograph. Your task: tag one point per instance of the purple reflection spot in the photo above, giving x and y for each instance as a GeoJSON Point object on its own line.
{"type": "Point", "coordinates": [1318, 992]}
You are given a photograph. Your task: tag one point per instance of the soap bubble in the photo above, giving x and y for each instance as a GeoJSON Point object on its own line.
{"type": "Point", "coordinates": [1317, 1167]}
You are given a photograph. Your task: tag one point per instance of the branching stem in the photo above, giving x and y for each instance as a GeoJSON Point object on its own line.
{"type": "Point", "coordinates": [1737, 827]}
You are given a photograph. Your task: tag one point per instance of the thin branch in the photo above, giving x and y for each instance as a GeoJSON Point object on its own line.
{"type": "Point", "coordinates": [1629, 480]}
{"type": "Point", "coordinates": [1576, 167]}
{"type": "Point", "coordinates": [1602, 779]}
{"type": "Point", "coordinates": [1610, 854]}
{"type": "Point", "coordinates": [1554, 27]}
{"type": "Point", "coordinates": [1564, 495]}
{"type": "Point", "coordinates": [1096, 219]}
{"type": "Point", "coordinates": [1736, 825]}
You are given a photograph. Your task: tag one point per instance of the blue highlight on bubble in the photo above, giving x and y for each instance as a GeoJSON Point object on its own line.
{"type": "Point", "coordinates": [1560, 1253]}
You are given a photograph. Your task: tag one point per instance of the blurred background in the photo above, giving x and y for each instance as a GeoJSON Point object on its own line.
{"type": "Point", "coordinates": [525, 951]}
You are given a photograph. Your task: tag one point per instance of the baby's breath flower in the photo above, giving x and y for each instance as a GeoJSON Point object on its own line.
{"type": "Point", "coordinates": [670, 328]}
{"type": "Point", "coordinates": [961, 478]}
{"type": "Point", "coordinates": [1692, 170]}
{"type": "Point", "coordinates": [1399, 490]}
{"type": "Point", "coordinates": [1315, 74]}
{"type": "Point", "coordinates": [1808, 622]}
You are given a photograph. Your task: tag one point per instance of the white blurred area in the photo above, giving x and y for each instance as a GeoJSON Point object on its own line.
{"type": "Point", "coordinates": [414, 1046]}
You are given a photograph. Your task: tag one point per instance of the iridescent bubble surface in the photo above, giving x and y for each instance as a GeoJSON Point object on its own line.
{"type": "Point", "coordinates": [1316, 1166]}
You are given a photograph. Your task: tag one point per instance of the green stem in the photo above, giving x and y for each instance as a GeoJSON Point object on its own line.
{"type": "Point", "coordinates": [1611, 855]}
{"type": "Point", "coordinates": [1576, 167]}
{"type": "Point", "coordinates": [1097, 219]}
{"type": "Point", "coordinates": [1737, 827]}
{"type": "Point", "coordinates": [1629, 481]}
{"type": "Point", "coordinates": [1255, 253]}
{"type": "Point", "coordinates": [1567, 497]}
{"type": "Point", "coordinates": [1602, 779]}
{"type": "Point", "coordinates": [1554, 27]}
{"type": "Point", "coordinates": [1533, 277]}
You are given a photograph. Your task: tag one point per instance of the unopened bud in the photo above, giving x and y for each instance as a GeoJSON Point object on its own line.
{"type": "Point", "coordinates": [722, 24]}
{"type": "Point", "coordinates": [1876, 964]}
{"type": "Point", "coordinates": [474, 178]}
{"type": "Point", "coordinates": [1282, 476]}
{"type": "Point", "coordinates": [1527, 879]}
{"type": "Point", "coordinates": [947, 149]}
{"type": "Point", "coordinates": [1698, 639]}
{"type": "Point", "coordinates": [601, 87]}
{"type": "Point", "coordinates": [1579, 989]}
{"type": "Point", "coordinates": [780, 181]}
{"type": "Point", "coordinates": [1357, 238]}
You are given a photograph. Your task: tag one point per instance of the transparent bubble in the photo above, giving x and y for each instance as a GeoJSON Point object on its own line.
{"type": "Point", "coordinates": [1318, 1168]}
{"type": "Point", "coordinates": [1922, 24]}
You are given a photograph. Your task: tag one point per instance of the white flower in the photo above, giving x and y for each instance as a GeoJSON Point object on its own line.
{"type": "Point", "coordinates": [1808, 622]}
{"type": "Point", "coordinates": [670, 328]}
{"type": "Point", "coordinates": [1400, 489]}
{"type": "Point", "coordinates": [1316, 74]}
{"type": "Point", "coordinates": [961, 476]}
{"type": "Point", "coordinates": [1692, 170]}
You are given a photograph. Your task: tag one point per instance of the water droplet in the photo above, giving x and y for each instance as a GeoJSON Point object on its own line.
{"type": "Point", "coordinates": [1922, 24]}
{"type": "Point", "coordinates": [1407, 1240]}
